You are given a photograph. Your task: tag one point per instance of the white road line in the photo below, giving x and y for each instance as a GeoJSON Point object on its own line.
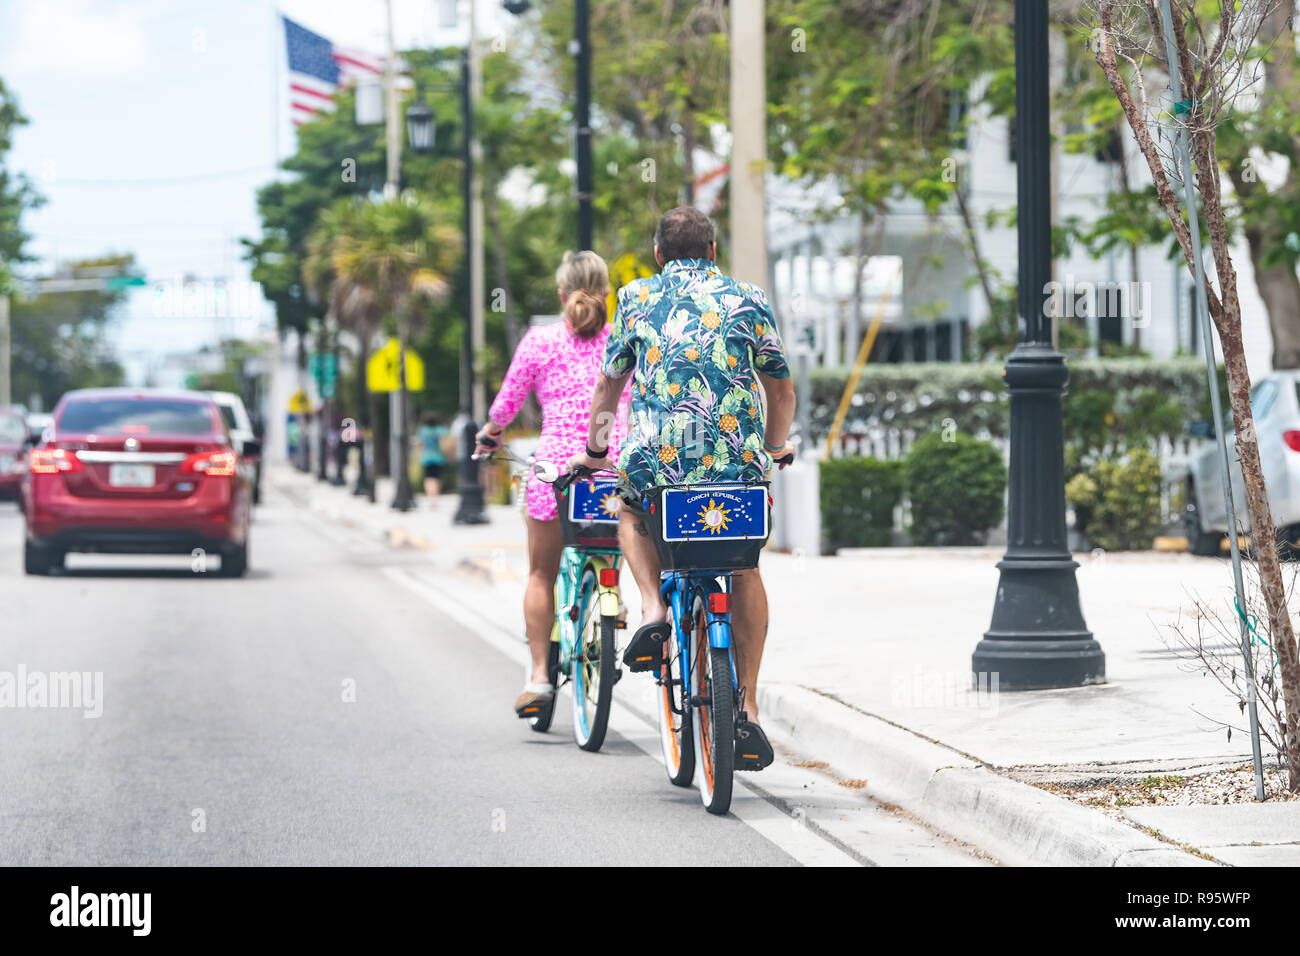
{"type": "Point", "coordinates": [804, 844]}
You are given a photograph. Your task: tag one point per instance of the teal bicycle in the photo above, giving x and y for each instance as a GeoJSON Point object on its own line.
{"type": "Point", "coordinates": [582, 653]}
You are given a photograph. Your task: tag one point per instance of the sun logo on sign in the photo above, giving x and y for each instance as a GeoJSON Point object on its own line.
{"type": "Point", "coordinates": [610, 504]}
{"type": "Point", "coordinates": [714, 517]}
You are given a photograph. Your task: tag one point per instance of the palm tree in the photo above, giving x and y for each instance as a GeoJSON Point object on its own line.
{"type": "Point", "coordinates": [400, 252]}
{"type": "Point", "coordinates": [353, 305]}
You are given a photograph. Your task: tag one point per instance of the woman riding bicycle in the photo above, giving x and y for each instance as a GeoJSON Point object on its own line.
{"type": "Point", "coordinates": [561, 364]}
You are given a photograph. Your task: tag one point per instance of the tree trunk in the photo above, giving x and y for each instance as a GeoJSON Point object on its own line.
{"type": "Point", "coordinates": [1280, 290]}
{"type": "Point", "coordinates": [977, 257]}
{"type": "Point", "coordinates": [1228, 322]}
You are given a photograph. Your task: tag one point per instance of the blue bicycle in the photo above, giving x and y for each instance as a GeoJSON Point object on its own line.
{"type": "Point", "coordinates": [703, 534]}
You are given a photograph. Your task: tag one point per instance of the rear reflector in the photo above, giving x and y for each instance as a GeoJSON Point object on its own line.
{"type": "Point", "coordinates": [609, 577]}
{"type": "Point", "coordinates": [720, 603]}
{"type": "Point", "coordinates": [1292, 440]}
{"type": "Point", "coordinates": [51, 461]}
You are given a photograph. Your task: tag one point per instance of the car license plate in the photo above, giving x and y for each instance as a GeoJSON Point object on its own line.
{"type": "Point", "coordinates": [130, 476]}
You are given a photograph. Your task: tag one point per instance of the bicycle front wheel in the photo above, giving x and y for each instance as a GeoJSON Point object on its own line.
{"type": "Point", "coordinates": [593, 666]}
{"type": "Point", "coordinates": [713, 699]}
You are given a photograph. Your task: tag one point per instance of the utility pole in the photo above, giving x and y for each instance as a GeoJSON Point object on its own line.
{"type": "Point", "coordinates": [6, 386]}
{"type": "Point", "coordinates": [582, 118]}
{"type": "Point", "coordinates": [470, 509]}
{"type": "Point", "coordinates": [478, 338]}
{"type": "Point", "coordinates": [748, 143]}
{"type": "Point", "coordinates": [393, 122]}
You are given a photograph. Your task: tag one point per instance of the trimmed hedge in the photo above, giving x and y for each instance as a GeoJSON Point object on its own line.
{"type": "Point", "coordinates": [1110, 405]}
{"type": "Point", "coordinates": [858, 498]}
{"type": "Point", "coordinates": [1118, 503]}
{"type": "Point", "coordinates": [956, 485]}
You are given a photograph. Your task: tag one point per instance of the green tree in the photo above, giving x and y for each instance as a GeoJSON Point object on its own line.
{"type": "Point", "coordinates": [61, 340]}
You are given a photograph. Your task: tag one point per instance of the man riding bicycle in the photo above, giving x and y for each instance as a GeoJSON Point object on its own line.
{"type": "Point", "coordinates": [691, 338]}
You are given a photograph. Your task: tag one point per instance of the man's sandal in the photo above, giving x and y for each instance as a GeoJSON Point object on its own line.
{"type": "Point", "coordinates": [753, 752]}
{"type": "Point", "coordinates": [646, 650]}
{"type": "Point", "coordinates": [534, 700]}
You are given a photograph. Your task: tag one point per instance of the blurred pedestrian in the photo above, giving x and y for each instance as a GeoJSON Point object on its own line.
{"type": "Point", "coordinates": [432, 435]}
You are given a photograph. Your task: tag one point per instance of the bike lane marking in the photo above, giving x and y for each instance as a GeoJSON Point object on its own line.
{"type": "Point", "coordinates": [755, 807]}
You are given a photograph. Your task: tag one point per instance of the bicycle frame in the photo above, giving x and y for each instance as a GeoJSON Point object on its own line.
{"type": "Point", "coordinates": [568, 629]}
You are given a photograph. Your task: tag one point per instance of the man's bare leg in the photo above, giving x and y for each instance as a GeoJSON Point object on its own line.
{"type": "Point", "coordinates": [639, 552]}
{"type": "Point", "coordinates": [748, 633]}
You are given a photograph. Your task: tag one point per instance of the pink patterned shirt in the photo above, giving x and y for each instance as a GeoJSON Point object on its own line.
{"type": "Point", "coordinates": [562, 369]}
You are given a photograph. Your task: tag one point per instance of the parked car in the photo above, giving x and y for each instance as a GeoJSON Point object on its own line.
{"type": "Point", "coordinates": [1275, 402]}
{"type": "Point", "coordinates": [244, 434]}
{"type": "Point", "coordinates": [37, 422]}
{"type": "Point", "coordinates": [13, 451]}
{"type": "Point", "coordinates": [136, 472]}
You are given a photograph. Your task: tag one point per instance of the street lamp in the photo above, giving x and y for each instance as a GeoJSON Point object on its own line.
{"type": "Point", "coordinates": [420, 128]}
{"type": "Point", "coordinates": [1037, 638]}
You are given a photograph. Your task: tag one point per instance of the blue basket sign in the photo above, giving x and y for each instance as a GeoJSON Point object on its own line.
{"type": "Point", "coordinates": [594, 500]}
{"type": "Point", "coordinates": [715, 513]}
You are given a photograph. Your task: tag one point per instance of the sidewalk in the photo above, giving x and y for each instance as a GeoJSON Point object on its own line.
{"type": "Point", "coordinates": [868, 666]}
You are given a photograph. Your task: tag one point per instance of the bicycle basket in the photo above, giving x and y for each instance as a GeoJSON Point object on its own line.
{"type": "Point", "coordinates": [718, 527]}
{"type": "Point", "coordinates": [588, 511]}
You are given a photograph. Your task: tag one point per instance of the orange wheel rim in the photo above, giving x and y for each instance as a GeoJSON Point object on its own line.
{"type": "Point", "coordinates": [706, 723]}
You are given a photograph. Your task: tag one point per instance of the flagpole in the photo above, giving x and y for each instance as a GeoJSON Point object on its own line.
{"type": "Point", "coordinates": [277, 80]}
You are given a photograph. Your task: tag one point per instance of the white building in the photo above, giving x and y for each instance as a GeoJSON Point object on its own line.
{"type": "Point", "coordinates": [935, 299]}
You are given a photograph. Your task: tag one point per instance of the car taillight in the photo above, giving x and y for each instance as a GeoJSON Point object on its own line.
{"type": "Point", "coordinates": [219, 464]}
{"type": "Point", "coordinates": [51, 461]}
{"type": "Point", "coordinates": [1292, 440]}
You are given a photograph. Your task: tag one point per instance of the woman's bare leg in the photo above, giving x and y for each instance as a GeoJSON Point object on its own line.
{"type": "Point", "coordinates": [545, 544]}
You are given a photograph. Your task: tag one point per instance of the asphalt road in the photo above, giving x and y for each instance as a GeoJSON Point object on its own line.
{"type": "Point", "coordinates": [329, 709]}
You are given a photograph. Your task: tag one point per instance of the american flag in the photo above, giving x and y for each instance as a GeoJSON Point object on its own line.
{"type": "Point", "coordinates": [317, 68]}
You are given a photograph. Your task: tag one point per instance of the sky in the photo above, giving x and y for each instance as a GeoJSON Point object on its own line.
{"type": "Point", "coordinates": [153, 122]}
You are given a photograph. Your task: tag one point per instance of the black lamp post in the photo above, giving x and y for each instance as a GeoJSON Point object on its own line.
{"type": "Point", "coordinates": [1037, 637]}
{"type": "Point", "coordinates": [581, 48]}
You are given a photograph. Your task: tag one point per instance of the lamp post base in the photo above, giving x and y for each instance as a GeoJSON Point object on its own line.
{"type": "Point", "coordinates": [1037, 638]}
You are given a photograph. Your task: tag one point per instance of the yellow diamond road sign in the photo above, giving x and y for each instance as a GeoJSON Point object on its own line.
{"type": "Point", "coordinates": [382, 370]}
{"type": "Point", "coordinates": [299, 403]}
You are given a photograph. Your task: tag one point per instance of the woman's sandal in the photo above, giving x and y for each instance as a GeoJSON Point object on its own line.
{"type": "Point", "coordinates": [534, 700]}
{"type": "Point", "coordinates": [645, 652]}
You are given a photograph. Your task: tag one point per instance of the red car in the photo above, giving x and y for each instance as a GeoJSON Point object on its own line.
{"type": "Point", "coordinates": [13, 452]}
{"type": "Point", "coordinates": [137, 472]}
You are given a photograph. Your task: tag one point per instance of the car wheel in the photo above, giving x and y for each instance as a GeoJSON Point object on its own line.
{"type": "Point", "coordinates": [234, 562]}
{"type": "Point", "coordinates": [1206, 544]}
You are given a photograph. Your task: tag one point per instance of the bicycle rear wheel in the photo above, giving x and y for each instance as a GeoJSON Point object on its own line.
{"type": "Point", "coordinates": [593, 666]}
{"type": "Point", "coordinates": [672, 703]}
{"type": "Point", "coordinates": [713, 697]}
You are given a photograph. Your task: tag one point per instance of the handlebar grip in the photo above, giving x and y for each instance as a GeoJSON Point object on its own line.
{"type": "Point", "coordinates": [568, 478]}
{"type": "Point", "coordinates": [785, 459]}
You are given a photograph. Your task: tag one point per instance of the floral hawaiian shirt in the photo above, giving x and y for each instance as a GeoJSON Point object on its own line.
{"type": "Point", "coordinates": [696, 339]}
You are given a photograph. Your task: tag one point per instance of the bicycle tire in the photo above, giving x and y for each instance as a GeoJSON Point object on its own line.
{"type": "Point", "coordinates": [593, 684]}
{"type": "Point", "coordinates": [542, 722]}
{"type": "Point", "coordinates": [714, 731]}
{"type": "Point", "coordinates": [675, 727]}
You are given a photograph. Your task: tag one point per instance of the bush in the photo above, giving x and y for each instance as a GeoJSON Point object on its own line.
{"type": "Point", "coordinates": [858, 498]}
{"type": "Point", "coordinates": [956, 487]}
{"type": "Point", "coordinates": [1121, 501]}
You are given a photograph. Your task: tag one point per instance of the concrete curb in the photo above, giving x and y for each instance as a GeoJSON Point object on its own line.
{"type": "Point", "coordinates": [1013, 822]}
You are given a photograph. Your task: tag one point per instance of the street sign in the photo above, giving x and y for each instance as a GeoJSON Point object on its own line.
{"type": "Point", "coordinates": [116, 283]}
{"type": "Point", "coordinates": [626, 268]}
{"type": "Point", "coordinates": [382, 370]}
{"type": "Point", "coordinates": [299, 403]}
{"type": "Point", "coordinates": [323, 368]}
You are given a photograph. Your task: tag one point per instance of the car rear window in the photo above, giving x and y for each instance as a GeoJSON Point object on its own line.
{"type": "Point", "coordinates": [12, 429]}
{"type": "Point", "coordinates": [136, 416]}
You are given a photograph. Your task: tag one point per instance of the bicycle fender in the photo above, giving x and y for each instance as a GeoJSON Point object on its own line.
{"type": "Point", "coordinates": [608, 603]}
